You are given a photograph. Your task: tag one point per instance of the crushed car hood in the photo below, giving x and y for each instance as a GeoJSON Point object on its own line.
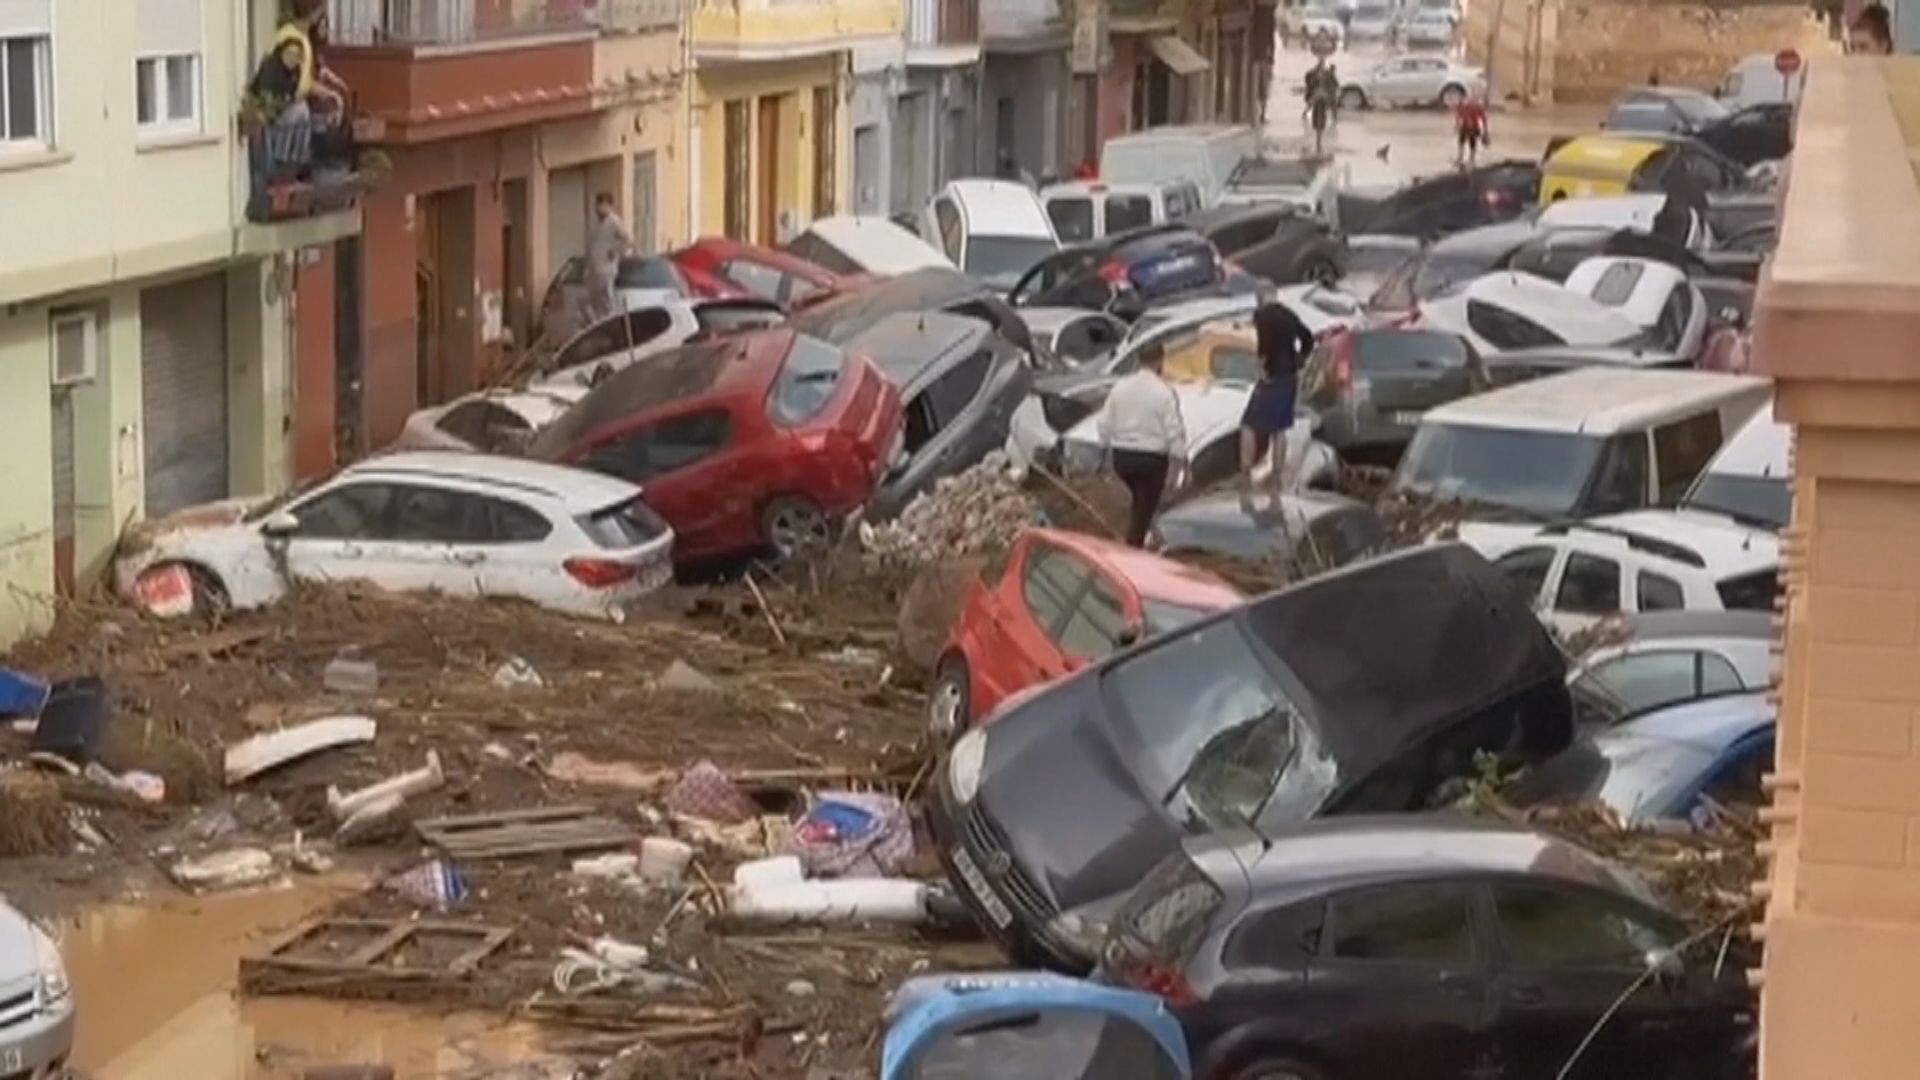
{"type": "Point", "coordinates": [213, 515]}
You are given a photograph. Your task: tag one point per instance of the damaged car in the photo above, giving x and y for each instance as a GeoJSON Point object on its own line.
{"type": "Point", "coordinates": [759, 441]}
{"type": "Point", "coordinates": [461, 524]}
{"type": "Point", "coordinates": [488, 421]}
{"type": "Point", "coordinates": [1299, 533]}
{"type": "Point", "coordinates": [1211, 411]}
{"type": "Point", "coordinates": [959, 382]}
{"type": "Point", "coordinates": [1362, 690]}
{"type": "Point", "coordinates": [842, 318]}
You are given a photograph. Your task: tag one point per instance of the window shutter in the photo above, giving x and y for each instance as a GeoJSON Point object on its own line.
{"type": "Point", "coordinates": [166, 27]}
{"type": "Point", "coordinates": [26, 17]}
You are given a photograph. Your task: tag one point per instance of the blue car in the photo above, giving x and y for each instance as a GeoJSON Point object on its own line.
{"type": "Point", "coordinates": [1659, 765]}
{"type": "Point", "coordinates": [1028, 1025]}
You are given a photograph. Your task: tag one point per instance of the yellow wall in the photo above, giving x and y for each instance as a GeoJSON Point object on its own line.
{"type": "Point", "coordinates": [103, 204]}
{"type": "Point", "coordinates": [794, 81]}
{"type": "Point", "coordinates": [772, 24]}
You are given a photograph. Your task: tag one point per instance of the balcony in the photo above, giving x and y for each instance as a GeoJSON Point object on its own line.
{"type": "Point", "coordinates": [1035, 23]}
{"type": "Point", "coordinates": [300, 172]}
{"type": "Point", "coordinates": [752, 30]}
{"type": "Point", "coordinates": [435, 69]}
{"type": "Point", "coordinates": [942, 33]}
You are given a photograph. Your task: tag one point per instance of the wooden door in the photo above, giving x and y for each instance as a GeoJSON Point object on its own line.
{"type": "Point", "coordinates": [768, 224]}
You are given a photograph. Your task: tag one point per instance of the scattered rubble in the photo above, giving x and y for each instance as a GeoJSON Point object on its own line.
{"type": "Point", "coordinates": [262, 753]}
{"type": "Point", "coordinates": [979, 510]}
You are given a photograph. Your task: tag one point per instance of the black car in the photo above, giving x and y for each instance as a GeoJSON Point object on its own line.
{"type": "Point", "coordinates": [1430, 946]}
{"type": "Point", "coordinates": [1664, 110]}
{"type": "Point", "coordinates": [1555, 253]}
{"type": "Point", "coordinates": [849, 314]}
{"type": "Point", "coordinates": [1369, 387]}
{"type": "Point", "coordinates": [1447, 202]}
{"type": "Point", "coordinates": [1274, 241]}
{"type": "Point", "coordinates": [1304, 532]}
{"type": "Point", "coordinates": [1361, 690]}
{"type": "Point", "coordinates": [1124, 273]}
{"type": "Point", "coordinates": [1449, 263]}
{"type": "Point", "coordinates": [1755, 134]}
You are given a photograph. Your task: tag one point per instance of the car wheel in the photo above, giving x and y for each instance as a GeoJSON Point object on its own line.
{"type": "Point", "coordinates": [1353, 98]}
{"type": "Point", "coordinates": [1451, 95]}
{"type": "Point", "coordinates": [947, 703]}
{"type": "Point", "coordinates": [1278, 1069]}
{"type": "Point", "coordinates": [794, 525]}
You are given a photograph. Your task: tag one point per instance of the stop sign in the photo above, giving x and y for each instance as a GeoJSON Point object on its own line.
{"type": "Point", "coordinates": [1786, 62]}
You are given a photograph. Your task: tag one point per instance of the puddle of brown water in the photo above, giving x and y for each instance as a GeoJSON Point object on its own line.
{"type": "Point", "coordinates": [154, 985]}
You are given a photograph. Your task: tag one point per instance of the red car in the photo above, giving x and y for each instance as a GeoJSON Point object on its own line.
{"type": "Point", "coordinates": [758, 440]}
{"type": "Point", "coordinates": [1062, 599]}
{"type": "Point", "coordinates": [720, 268]}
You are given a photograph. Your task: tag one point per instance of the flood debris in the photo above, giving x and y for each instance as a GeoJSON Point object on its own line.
{"type": "Point", "coordinates": [392, 791]}
{"type": "Point", "coordinates": [73, 721]}
{"type": "Point", "coordinates": [853, 834]}
{"type": "Point", "coordinates": [231, 869]}
{"type": "Point", "coordinates": [777, 890]}
{"type": "Point", "coordinates": [347, 674]}
{"type": "Point", "coordinates": [686, 678]}
{"type": "Point", "coordinates": [516, 673]}
{"type": "Point", "coordinates": [33, 819]}
{"type": "Point", "coordinates": [435, 884]}
{"type": "Point", "coordinates": [975, 511]}
{"type": "Point", "coordinates": [517, 833]}
{"type": "Point", "coordinates": [372, 952]}
{"type": "Point", "coordinates": [580, 769]}
{"type": "Point", "coordinates": [22, 695]}
{"type": "Point", "coordinates": [257, 755]}
{"type": "Point", "coordinates": [705, 793]}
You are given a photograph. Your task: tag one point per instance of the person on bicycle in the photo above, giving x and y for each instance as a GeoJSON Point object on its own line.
{"type": "Point", "coordinates": [1470, 129]}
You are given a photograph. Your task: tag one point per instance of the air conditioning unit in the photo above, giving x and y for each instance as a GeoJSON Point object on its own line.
{"type": "Point", "coordinates": [76, 347]}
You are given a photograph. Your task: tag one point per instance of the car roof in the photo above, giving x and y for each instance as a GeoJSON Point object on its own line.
{"type": "Point", "coordinates": [1652, 285]}
{"type": "Point", "coordinates": [1729, 548]}
{"type": "Point", "coordinates": [1151, 575]}
{"type": "Point", "coordinates": [906, 344]}
{"type": "Point", "coordinates": [1564, 311]}
{"type": "Point", "coordinates": [1596, 400]}
{"type": "Point", "coordinates": [1655, 626]}
{"type": "Point", "coordinates": [1711, 724]}
{"type": "Point", "coordinates": [1349, 850]}
{"type": "Point", "coordinates": [1603, 211]}
{"type": "Point", "coordinates": [1497, 239]}
{"type": "Point", "coordinates": [1210, 307]}
{"type": "Point", "coordinates": [722, 246]}
{"type": "Point", "coordinates": [877, 243]}
{"type": "Point", "coordinates": [578, 491]}
{"type": "Point", "coordinates": [1610, 151]}
{"type": "Point", "coordinates": [1230, 508]}
{"type": "Point", "coordinates": [1277, 172]}
{"type": "Point", "coordinates": [1761, 448]}
{"type": "Point", "coordinates": [999, 207]}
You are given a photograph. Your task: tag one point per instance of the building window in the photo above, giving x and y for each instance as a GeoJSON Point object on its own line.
{"type": "Point", "coordinates": [26, 89]}
{"type": "Point", "coordinates": [167, 94]}
{"type": "Point", "coordinates": [739, 185]}
{"type": "Point", "coordinates": [76, 346]}
{"type": "Point", "coordinates": [826, 137]}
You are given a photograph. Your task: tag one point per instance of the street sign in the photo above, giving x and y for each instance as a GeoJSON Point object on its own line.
{"type": "Point", "coordinates": [1786, 62]}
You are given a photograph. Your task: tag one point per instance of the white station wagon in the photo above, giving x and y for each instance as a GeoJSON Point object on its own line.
{"type": "Point", "coordinates": [460, 524]}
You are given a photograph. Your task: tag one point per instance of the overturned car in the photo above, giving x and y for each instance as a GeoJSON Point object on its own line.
{"type": "Point", "coordinates": [1359, 691]}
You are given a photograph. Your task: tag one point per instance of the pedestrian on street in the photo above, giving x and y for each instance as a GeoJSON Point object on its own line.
{"type": "Point", "coordinates": [1871, 33]}
{"type": "Point", "coordinates": [609, 243]}
{"type": "Point", "coordinates": [1282, 341]}
{"type": "Point", "coordinates": [1470, 130]}
{"type": "Point", "coordinates": [1685, 204]}
{"type": "Point", "coordinates": [1141, 428]}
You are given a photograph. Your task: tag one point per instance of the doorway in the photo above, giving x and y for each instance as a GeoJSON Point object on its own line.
{"type": "Point", "coordinates": [444, 367]}
{"type": "Point", "coordinates": [515, 256]}
{"type": "Point", "coordinates": [767, 229]}
{"type": "Point", "coordinates": [866, 169]}
{"type": "Point", "coordinates": [349, 429]}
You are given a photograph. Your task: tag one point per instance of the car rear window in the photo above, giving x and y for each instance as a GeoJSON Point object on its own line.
{"type": "Point", "coordinates": [1750, 592]}
{"type": "Point", "coordinates": [1072, 218]}
{"type": "Point", "coordinates": [1185, 267]}
{"type": "Point", "coordinates": [1128, 212]}
{"type": "Point", "coordinates": [1168, 915]}
{"type": "Point", "coordinates": [674, 375]}
{"type": "Point", "coordinates": [1393, 351]}
{"type": "Point", "coordinates": [623, 525]}
{"type": "Point", "coordinates": [806, 381]}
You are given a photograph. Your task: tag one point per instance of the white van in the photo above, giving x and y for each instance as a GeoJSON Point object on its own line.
{"type": "Point", "coordinates": [1755, 81]}
{"type": "Point", "coordinates": [995, 230]}
{"type": "Point", "coordinates": [1206, 154]}
{"type": "Point", "coordinates": [1586, 442]}
{"type": "Point", "coordinates": [1083, 210]}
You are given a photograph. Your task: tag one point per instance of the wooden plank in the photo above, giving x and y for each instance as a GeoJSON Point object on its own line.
{"type": "Point", "coordinates": [504, 817]}
{"type": "Point", "coordinates": [380, 946]}
{"type": "Point", "coordinates": [547, 846]}
{"type": "Point", "coordinates": [363, 962]}
{"type": "Point", "coordinates": [488, 945]}
{"type": "Point", "coordinates": [523, 835]}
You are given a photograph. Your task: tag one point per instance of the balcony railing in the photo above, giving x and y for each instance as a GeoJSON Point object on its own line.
{"type": "Point", "coordinates": [300, 168]}
{"type": "Point", "coordinates": [1020, 18]}
{"type": "Point", "coordinates": [460, 22]}
{"type": "Point", "coordinates": [941, 22]}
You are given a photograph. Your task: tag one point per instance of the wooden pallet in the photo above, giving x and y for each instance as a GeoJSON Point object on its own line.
{"type": "Point", "coordinates": [513, 833]}
{"type": "Point", "coordinates": [375, 958]}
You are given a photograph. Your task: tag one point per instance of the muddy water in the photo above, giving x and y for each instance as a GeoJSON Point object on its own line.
{"type": "Point", "coordinates": [154, 984]}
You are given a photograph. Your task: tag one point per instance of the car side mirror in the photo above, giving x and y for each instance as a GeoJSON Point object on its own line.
{"type": "Point", "coordinates": [1130, 635]}
{"type": "Point", "coordinates": [1666, 966]}
{"type": "Point", "coordinates": [280, 525]}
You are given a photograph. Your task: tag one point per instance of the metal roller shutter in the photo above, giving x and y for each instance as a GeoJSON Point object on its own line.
{"type": "Point", "coordinates": [183, 371]}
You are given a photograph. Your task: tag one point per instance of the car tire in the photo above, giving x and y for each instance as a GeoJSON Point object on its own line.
{"type": "Point", "coordinates": [1451, 95]}
{"type": "Point", "coordinates": [949, 701]}
{"type": "Point", "coordinates": [794, 525]}
{"type": "Point", "coordinates": [1278, 1069]}
{"type": "Point", "coordinates": [1353, 97]}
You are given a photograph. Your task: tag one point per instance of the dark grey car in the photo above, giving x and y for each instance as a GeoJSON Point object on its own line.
{"type": "Point", "coordinates": [1370, 387]}
{"type": "Point", "coordinates": [959, 384]}
{"type": "Point", "coordinates": [1310, 530]}
{"type": "Point", "coordinates": [1358, 691]}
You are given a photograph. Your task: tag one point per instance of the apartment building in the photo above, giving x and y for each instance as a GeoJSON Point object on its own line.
{"type": "Point", "coordinates": [146, 324]}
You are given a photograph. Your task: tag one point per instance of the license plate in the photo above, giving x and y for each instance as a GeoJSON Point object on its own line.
{"type": "Point", "coordinates": [1410, 417]}
{"type": "Point", "coordinates": [976, 883]}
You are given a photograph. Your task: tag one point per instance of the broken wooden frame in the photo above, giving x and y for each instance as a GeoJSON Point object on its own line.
{"type": "Point", "coordinates": [513, 833]}
{"type": "Point", "coordinates": [371, 965]}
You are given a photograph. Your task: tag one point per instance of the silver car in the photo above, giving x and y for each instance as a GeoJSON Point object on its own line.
{"type": "Point", "coordinates": [36, 1002]}
{"type": "Point", "coordinates": [1413, 80]}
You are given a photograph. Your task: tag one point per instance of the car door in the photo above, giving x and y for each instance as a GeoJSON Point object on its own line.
{"type": "Point", "coordinates": [1530, 568]}
{"type": "Point", "coordinates": [1393, 82]}
{"type": "Point", "coordinates": [1631, 684]}
{"type": "Point", "coordinates": [1050, 581]}
{"type": "Point", "coordinates": [1588, 591]}
{"type": "Point", "coordinates": [441, 540]}
{"type": "Point", "coordinates": [1681, 450]}
{"type": "Point", "coordinates": [1401, 968]}
{"type": "Point", "coordinates": [1566, 955]}
{"type": "Point", "coordinates": [515, 558]}
{"type": "Point", "coordinates": [344, 534]}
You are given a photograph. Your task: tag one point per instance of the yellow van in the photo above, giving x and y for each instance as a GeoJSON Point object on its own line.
{"type": "Point", "coordinates": [1596, 165]}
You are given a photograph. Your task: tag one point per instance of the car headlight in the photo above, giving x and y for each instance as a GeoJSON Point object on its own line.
{"type": "Point", "coordinates": [54, 987]}
{"type": "Point", "coordinates": [965, 763]}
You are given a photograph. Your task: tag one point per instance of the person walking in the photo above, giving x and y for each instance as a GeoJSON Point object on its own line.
{"type": "Point", "coordinates": [1322, 92]}
{"type": "Point", "coordinates": [1282, 341]}
{"type": "Point", "coordinates": [1470, 130]}
{"type": "Point", "coordinates": [1141, 428]}
{"type": "Point", "coordinates": [608, 244]}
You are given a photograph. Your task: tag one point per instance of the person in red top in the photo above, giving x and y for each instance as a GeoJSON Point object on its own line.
{"type": "Point", "coordinates": [1470, 127]}
{"type": "Point", "coordinates": [1086, 171]}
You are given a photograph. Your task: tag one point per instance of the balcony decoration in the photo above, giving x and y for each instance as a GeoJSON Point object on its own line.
{"type": "Point", "coordinates": [297, 124]}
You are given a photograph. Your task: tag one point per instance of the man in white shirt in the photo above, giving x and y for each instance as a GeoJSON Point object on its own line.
{"type": "Point", "coordinates": [1140, 425]}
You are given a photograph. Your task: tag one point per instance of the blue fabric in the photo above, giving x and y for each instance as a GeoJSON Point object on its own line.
{"type": "Point", "coordinates": [1270, 408]}
{"type": "Point", "coordinates": [21, 695]}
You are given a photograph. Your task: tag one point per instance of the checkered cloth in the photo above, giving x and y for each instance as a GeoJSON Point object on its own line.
{"type": "Point", "coordinates": [705, 792]}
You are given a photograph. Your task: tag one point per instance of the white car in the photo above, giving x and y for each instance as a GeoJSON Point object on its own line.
{"type": "Point", "coordinates": [1083, 210]}
{"type": "Point", "coordinates": [1635, 212]}
{"type": "Point", "coordinates": [1429, 27]}
{"type": "Point", "coordinates": [36, 1001]}
{"type": "Point", "coordinates": [1310, 183]}
{"type": "Point", "coordinates": [1657, 296]}
{"type": "Point", "coordinates": [1508, 309]}
{"type": "Point", "coordinates": [1304, 20]}
{"type": "Point", "coordinates": [1671, 657]}
{"type": "Point", "coordinates": [1211, 413]}
{"type": "Point", "coordinates": [1641, 561]}
{"type": "Point", "coordinates": [461, 524]}
{"type": "Point", "coordinates": [488, 421]}
{"type": "Point", "coordinates": [1076, 336]}
{"type": "Point", "coordinates": [1415, 79]}
{"type": "Point", "coordinates": [619, 340]}
{"type": "Point", "coordinates": [995, 230]}
{"type": "Point", "coordinates": [865, 244]}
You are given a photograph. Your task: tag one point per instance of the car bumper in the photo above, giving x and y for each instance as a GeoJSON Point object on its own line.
{"type": "Point", "coordinates": [39, 1049]}
{"type": "Point", "coordinates": [973, 869]}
